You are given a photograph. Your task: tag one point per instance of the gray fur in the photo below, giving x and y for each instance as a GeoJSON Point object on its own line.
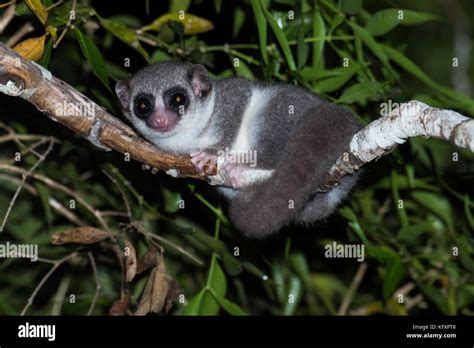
{"type": "Point", "coordinates": [296, 133]}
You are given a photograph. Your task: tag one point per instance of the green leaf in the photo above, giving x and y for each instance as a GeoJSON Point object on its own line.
{"type": "Point", "coordinates": [319, 30]}
{"type": "Point", "coordinates": [329, 288]}
{"type": "Point", "coordinates": [465, 295]}
{"type": "Point", "coordinates": [401, 211]}
{"type": "Point", "coordinates": [262, 29]}
{"type": "Point", "coordinates": [194, 306]}
{"type": "Point", "coordinates": [467, 211]}
{"type": "Point", "coordinates": [302, 50]}
{"type": "Point", "coordinates": [279, 279]}
{"type": "Point", "coordinates": [437, 204]}
{"type": "Point", "coordinates": [436, 295]}
{"type": "Point", "coordinates": [63, 12]}
{"type": "Point", "coordinates": [231, 265]}
{"type": "Point", "coordinates": [159, 56]}
{"type": "Point", "coordinates": [360, 92]}
{"type": "Point", "coordinates": [410, 234]}
{"type": "Point", "coordinates": [227, 305]}
{"type": "Point", "coordinates": [93, 56]}
{"type": "Point", "coordinates": [243, 70]}
{"type": "Point", "coordinates": [337, 20]}
{"type": "Point", "coordinates": [385, 20]}
{"type": "Point", "coordinates": [351, 7]}
{"type": "Point", "coordinates": [22, 9]}
{"type": "Point", "coordinates": [281, 38]}
{"type": "Point", "coordinates": [370, 42]}
{"type": "Point", "coordinates": [394, 55]}
{"type": "Point", "coordinates": [124, 34]}
{"type": "Point", "coordinates": [46, 57]}
{"type": "Point", "coordinates": [393, 276]}
{"type": "Point", "coordinates": [333, 79]}
{"type": "Point", "coordinates": [179, 5]}
{"type": "Point", "coordinates": [217, 282]}
{"type": "Point", "coordinates": [383, 254]}
{"type": "Point", "coordinates": [293, 297]}
{"type": "Point", "coordinates": [300, 265]}
{"type": "Point", "coordinates": [171, 199]}
{"type": "Point", "coordinates": [465, 253]}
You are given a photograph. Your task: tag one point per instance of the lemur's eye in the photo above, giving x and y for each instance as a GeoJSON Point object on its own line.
{"type": "Point", "coordinates": [143, 106]}
{"type": "Point", "coordinates": [178, 100]}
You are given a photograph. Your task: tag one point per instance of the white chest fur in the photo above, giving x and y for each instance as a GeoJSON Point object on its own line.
{"type": "Point", "coordinates": [248, 131]}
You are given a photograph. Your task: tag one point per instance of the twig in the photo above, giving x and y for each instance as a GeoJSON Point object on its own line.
{"type": "Point", "coordinates": [56, 265]}
{"type": "Point", "coordinates": [56, 205]}
{"type": "Point", "coordinates": [68, 25]}
{"type": "Point", "coordinates": [57, 186]}
{"type": "Point", "coordinates": [139, 228]}
{"type": "Point", "coordinates": [15, 38]}
{"type": "Point", "coordinates": [7, 17]}
{"type": "Point", "coordinates": [25, 137]}
{"type": "Point", "coordinates": [412, 302]}
{"type": "Point", "coordinates": [97, 283]}
{"type": "Point", "coordinates": [346, 302]}
{"type": "Point", "coordinates": [23, 179]}
{"type": "Point", "coordinates": [60, 2]}
{"type": "Point", "coordinates": [60, 295]}
{"type": "Point", "coordinates": [122, 193]}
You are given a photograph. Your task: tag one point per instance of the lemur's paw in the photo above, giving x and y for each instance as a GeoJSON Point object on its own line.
{"type": "Point", "coordinates": [234, 172]}
{"type": "Point", "coordinates": [204, 162]}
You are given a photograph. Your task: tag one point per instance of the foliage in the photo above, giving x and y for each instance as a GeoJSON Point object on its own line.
{"type": "Point", "coordinates": [413, 210]}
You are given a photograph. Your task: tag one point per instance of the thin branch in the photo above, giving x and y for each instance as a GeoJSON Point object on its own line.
{"type": "Point", "coordinates": [97, 283]}
{"type": "Point", "coordinates": [141, 229]}
{"type": "Point", "coordinates": [24, 30]}
{"type": "Point", "coordinates": [56, 265]}
{"type": "Point", "coordinates": [346, 302]}
{"type": "Point", "coordinates": [23, 179]}
{"type": "Point", "coordinates": [7, 17]}
{"type": "Point", "coordinates": [57, 186]}
{"type": "Point", "coordinates": [122, 193]}
{"type": "Point", "coordinates": [60, 295]}
{"type": "Point", "coordinates": [56, 205]}
{"type": "Point", "coordinates": [68, 24]}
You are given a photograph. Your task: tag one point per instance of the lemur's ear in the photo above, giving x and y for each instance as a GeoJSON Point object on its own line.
{"type": "Point", "coordinates": [199, 80]}
{"type": "Point", "coordinates": [122, 89]}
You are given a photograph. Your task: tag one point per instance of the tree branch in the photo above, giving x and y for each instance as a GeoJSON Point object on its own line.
{"type": "Point", "coordinates": [62, 103]}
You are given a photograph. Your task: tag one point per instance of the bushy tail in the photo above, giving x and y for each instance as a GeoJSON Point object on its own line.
{"type": "Point", "coordinates": [313, 147]}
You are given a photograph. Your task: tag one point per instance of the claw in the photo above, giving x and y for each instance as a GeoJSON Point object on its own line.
{"type": "Point", "coordinates": [200, 159]}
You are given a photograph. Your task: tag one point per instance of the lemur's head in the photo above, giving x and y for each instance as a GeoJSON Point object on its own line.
{"type": "Point", "coordinates": [165, 99]}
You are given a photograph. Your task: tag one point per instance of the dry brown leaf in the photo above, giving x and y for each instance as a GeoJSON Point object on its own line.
{"type": "Point", "coordinates": [156, 290]}
{"type": "Point", "coordinates": [120, 306]}
{"type": "Point", "coordinates": [32, 48]}
{"type": "Point", "coordinates": [173, 294]}
{"type": "Point", "coordinates": [80, 235]}
{"type": "Point", "coordinates": [130, 261]}
{"type": "Point", "coordinates": [150, 259]}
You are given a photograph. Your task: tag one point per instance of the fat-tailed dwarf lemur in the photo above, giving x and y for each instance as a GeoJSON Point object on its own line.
{"type": "Point", "coordinates": [292, 136]}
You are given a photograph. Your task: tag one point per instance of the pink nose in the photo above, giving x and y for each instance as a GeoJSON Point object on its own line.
{"type": "Point", "coordinates": [162, 121]}
{"type": "Point", "coordinates": [158, 122]}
